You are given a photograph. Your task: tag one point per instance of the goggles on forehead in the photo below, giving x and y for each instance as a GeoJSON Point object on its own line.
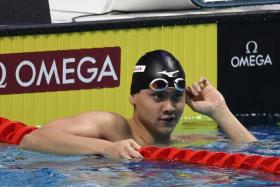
{"type": "Point", "coordinates": [160, 84]}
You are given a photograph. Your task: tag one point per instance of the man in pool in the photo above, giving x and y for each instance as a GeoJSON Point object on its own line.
{"type": "Point", "coordinates": [158, 95]}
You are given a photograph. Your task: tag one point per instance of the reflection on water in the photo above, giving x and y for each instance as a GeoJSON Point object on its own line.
{"type": "Point", "coordinates": [26, 168]}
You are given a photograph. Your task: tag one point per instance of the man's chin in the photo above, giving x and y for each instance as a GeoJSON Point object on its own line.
{"type": "Point", "coordinates": [165, 132]}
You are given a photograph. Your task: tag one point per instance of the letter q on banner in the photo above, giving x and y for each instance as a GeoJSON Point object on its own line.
{"type": "Point", "coordinates": [3, 74]}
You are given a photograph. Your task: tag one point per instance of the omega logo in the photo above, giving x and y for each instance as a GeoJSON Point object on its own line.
{"type": "Point", "coordinates": [252, 57]}
{"type": "Point", "coordinates": [44, 74]}
{"type": "Point", "coordinates": [59, 70]}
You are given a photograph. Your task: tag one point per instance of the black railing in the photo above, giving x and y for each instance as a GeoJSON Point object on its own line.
{"type": "Point", "coordinates": [231, 3]}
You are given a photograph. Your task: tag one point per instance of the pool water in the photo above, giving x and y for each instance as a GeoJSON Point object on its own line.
{"type": "Point", "coordinates": [27, 168]}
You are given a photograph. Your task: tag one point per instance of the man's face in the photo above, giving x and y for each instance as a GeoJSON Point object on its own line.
{"type": "Point", "coordinates": [160, 111]}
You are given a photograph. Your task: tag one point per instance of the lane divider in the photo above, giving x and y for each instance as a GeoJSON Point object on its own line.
{"type": "Point", "coordinates": [270, 164]}
{"type": "Point", "coordinates": [12, 132]}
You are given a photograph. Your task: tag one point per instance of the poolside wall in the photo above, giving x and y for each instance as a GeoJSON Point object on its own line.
{"type": "Point", "coordinates": [194, 45]}
{"type": "Point", "coordinates": [238, 52]}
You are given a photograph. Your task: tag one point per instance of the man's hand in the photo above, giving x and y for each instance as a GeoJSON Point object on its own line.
{"type": "Point", "coordinates": [202, 97]}
{"type": "Point", "coordinates": [125, 149]}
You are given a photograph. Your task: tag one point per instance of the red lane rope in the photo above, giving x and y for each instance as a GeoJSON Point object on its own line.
{"type": "Point", "coordinates": [268, 164]}
{"type": "Point", "coordinates": [12, 132]}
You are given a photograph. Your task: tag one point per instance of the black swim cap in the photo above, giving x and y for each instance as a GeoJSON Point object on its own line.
{"type": "Point", "coordinates": [153, 65]}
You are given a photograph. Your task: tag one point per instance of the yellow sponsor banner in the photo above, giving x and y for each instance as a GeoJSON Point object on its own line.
{"type": "Point", "coordinates": [195, 46]}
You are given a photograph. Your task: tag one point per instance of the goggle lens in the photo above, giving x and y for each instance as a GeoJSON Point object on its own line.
{"type": "Point", "coordinates": [180, 84]}
{"type": "Point", "coordinates": [160, 84]}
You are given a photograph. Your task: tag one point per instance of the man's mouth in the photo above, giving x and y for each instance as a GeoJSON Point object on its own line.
{"type": "Point", "coordinates": [167, 118]}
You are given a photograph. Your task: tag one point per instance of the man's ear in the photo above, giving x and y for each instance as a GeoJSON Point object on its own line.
{"type": "Point", "coordinates": [132, 99]}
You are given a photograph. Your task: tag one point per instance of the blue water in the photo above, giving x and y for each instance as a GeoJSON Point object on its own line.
{"type": "Point", "coordinates": [27, 168]}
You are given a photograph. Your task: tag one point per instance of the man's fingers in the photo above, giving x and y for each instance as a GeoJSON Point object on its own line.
{"type": "Point", "coordinates": [193, 91]}
{"type": "Point", "coordinates": [203, 82]}
{"type": "Point", "coordinates": [197, 87]}
{"type": "Point", "coordinates": [135, 145]}
{"type": "Point", "coordinates": [188, 99]}
{"type": "Point", "coordinates": [134, 151]}
{"type": "Point", "coordinates": [135, 154]}
{"type": "Point", "coordinates": [127, 156]}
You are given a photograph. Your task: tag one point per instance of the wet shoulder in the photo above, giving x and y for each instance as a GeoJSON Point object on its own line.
{"type": "Point", "coordinates": [114, 126]}
{"type": "Point", "coordinates": [103, 117]}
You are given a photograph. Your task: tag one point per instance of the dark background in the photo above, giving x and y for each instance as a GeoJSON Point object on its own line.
{"type": "Point", "coordinates": [14, 12]}
{"type": "Point", "coordinates": [255, 89]}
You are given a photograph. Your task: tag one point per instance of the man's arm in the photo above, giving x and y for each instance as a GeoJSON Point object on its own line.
{"type": "Point", "coordinates": [232, 126]}
{"type": "Point", "coordinates": [88, 133]}
{"type": "Point", "coordinates": [202, 97]}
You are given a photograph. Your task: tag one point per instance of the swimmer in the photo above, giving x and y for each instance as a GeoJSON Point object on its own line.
{"type": "Point", "coordinates": [158, 95]}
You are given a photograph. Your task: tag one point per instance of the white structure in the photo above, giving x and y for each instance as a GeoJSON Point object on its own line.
{"type": "Point", "coordinates": [65, 10]}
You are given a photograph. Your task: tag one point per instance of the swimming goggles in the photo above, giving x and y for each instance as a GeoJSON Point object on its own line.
{"type": "Point", "coordinates": [160, 84]}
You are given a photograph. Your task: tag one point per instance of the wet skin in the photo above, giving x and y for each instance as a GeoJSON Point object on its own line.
{"type": "Point", "coordinates": [158, 112]}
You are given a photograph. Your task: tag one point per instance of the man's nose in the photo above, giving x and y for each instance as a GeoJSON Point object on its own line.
{"type": "Point", "coordinates": [168, 106]}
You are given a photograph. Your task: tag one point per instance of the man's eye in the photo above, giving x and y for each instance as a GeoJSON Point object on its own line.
{"type": "Point", "coordinates": [177, 97]}
{"type": "Point", "coordinates": [159, 96]}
